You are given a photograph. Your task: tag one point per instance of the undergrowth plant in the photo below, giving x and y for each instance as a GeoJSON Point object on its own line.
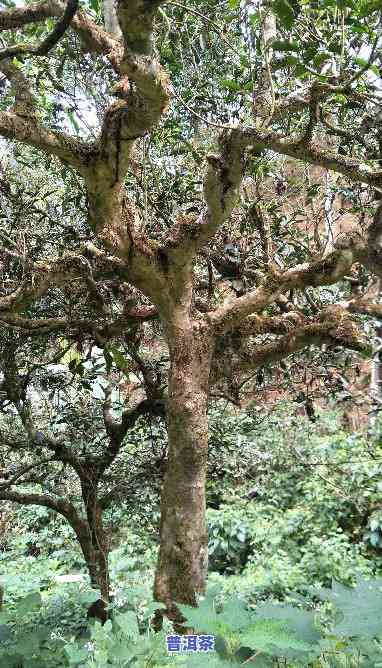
{"type": "Point", "coordinates": [343, 629]}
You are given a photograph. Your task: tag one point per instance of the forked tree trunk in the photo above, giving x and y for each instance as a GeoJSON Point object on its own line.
{"type": "Point", "coordinates": [182, 563]}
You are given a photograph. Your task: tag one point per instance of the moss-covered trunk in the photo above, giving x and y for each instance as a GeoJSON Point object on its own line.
{"type": "Point", "coordinates": [95, 551]}
{"type": "Point", "coordinates": [92, 538]}
{"type": "Point", "coordinates": [182, 563]}
{"type": "Point", "coordinates": [99, 550]}
{"type": "Point", "coordinates": [96, 558]}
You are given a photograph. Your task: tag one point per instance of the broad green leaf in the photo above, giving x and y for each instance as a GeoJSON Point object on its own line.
{"type": "Point", "coordinates": [361, 607]}
{"type": "Point", "coordinates": [236, 614]}
{"type": "Point", "coordinates": [76, 655]}
{"type": "Point", "coordinates": [204, 618]}
{"type": "Point", "coordinates": [272, 636]}
{"type": "Point", "coordinates": [89, 596]}
{"type": "Point", "coordinates": [254, 19]}
{"type": "Point", "coordinates": [363, 63]}
{"type": "Point", "coordinates": [301, 622]}
{"type": "Point", "coordinates": [69, 355]}
{"type": "Point", "coordinates": [127, 622]}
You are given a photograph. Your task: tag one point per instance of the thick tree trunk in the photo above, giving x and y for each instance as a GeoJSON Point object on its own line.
{"type": "Point", "coordinates": [182, 563]}
{"type": "Point", "coordinates": [99, 571]}
{"type": "Point", "coordinates": [375, 386]}
{"type": "Point", "coordinates": [98, 557]}
{"type": "Point", "coordinates": [92, 539]}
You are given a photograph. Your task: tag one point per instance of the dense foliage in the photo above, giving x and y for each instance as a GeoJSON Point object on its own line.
{"type": "Point", "coordinates": [294, 507]}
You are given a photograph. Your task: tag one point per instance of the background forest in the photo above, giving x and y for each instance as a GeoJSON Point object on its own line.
{"type": "Point", "coordinates": [190, 332]}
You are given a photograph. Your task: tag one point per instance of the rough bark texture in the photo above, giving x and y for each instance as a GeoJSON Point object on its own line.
{"type": "Point", "coordinates": [97, 547]}
{"type": "Point", "coordinates": [182, 564]}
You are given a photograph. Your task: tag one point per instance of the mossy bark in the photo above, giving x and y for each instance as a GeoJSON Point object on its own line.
{"type": "Point", "coordinates": [95, 545]}
{"type": "Point", "coordinates": [95, 550]}
{"type": "Point", "coordinates": [182, 563]}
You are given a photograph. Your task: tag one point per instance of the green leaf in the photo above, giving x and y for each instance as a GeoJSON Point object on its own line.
{"type": "Point", "coordinates": [272, 636]}
{"type": "Point", "coordinates": [320, 58]}
{"type": "Point", "coordinates": [88, 597]}
{"type": "Point", "coordinates": [74, 121]}
{"type": "Point", "coordinates": [363, 63]}
{"type": "Point", "coordinates": [231, 84]}
{"type": "Point", "coordinates": [259, 660]}
{"type": "Point", "coordinates": [285, 45]}
{"type": "Point", "coordinates": [76, 655]}
{"type": "Point", "coordinates": [300, 622]}
{"type": "Point", "coordinates": [128, 624]}
{"type": "Point", "coordinates": [204, 618]}
{"type": "Point", "coordinates": [28, 644]}
{"type": "Point", "coordinates": [125, 654]}
{"type": "Point", "coordinates": [366, 7]}
{"type": "Point", "coordinates": [119, 359]}
{"type": "Point", "coordinates": [254, 19]}
{"type": "Point", "coordinates": [151, 608]}
{"type": "Point", "coordinates": [284, 11]}
{"type": "Point", "coordinates": [235, 614]}
{"type": "Point", "coordinates": [108, 360]}
{"type": "Point", "coordinates": [29, 603]}
{"type": "Point", "coordinates": [360, 606]}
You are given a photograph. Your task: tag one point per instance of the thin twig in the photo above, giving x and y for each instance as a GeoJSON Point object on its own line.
{"type": "Point", "coordinates": [207, 20]}
{"type": "Point", "coordinates": [202, 118]}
